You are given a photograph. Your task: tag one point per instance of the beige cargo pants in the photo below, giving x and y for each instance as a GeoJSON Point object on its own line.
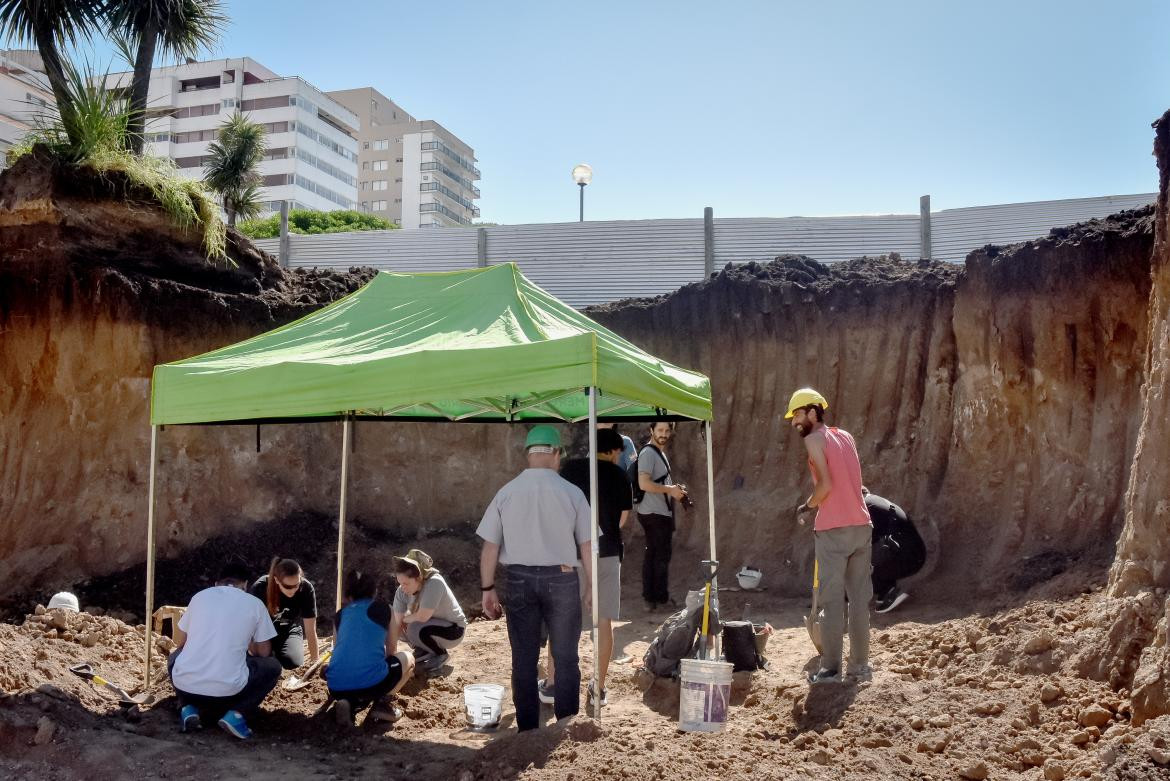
{"type": "Point", "coordinates": [843, 556]}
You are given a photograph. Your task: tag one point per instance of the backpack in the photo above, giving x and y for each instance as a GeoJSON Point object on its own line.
{"type": "Point", "coordinates": [739, 646]}
{"type": "Point", "coordinates": [632, 474]}
{"type": "Point", "coordinates": [676, 641]}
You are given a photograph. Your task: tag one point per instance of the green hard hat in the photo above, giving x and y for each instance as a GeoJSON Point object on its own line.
{"type": "Point", "coordinates": [543, 435]}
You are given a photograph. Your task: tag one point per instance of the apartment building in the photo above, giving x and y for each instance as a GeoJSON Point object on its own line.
{"type": "Point", "coordinates": [25, 95]}
{"type": "Point", "coordinates": [413, 172]}
{"type": "Point", "coordinates": [312, 159]}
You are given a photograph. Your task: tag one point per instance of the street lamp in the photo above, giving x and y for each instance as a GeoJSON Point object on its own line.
{"type": "Point", "coordinates": [582, 175]}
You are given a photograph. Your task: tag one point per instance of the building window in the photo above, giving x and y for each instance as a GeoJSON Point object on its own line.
{"type": "Point", "coordinates": [365, 185]}
{"type": "Point", "coordinates": [366, 165]}
{"type": "Point", "coordinates": [398, 180]}
{"type": "Point", "coordinates": [228, 102]}
{"type": "Point", "coordinates": [262, 103]}
{"type": "Point", "coordinates": [382, 144]}
{"type": "Point", "coordinates": [378, 206]}
{"type": "Point", "coordinates": [380, 184]}
{"type": "Point", "coordinates": [398, 159]}
{"type": "Point", "coordinates": [381, 165]}
{"type": "Point", "coordinates": [397, 200]}
{"type": "Point", "coordinates": [365, 145]}
{"type": "Point", "coordinates": [365, 206]}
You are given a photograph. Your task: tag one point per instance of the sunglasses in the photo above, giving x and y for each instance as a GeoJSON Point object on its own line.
{"type": "Point", "coordinates": [287, 587]}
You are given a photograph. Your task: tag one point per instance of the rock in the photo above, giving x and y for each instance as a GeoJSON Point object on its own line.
{"type": "Point", "coordinates": [834, 734]}
{"type": "Point", "coordinates": [58, 619]}
{"type": "Point", "coordinates": [1158, 755]}
{"type": "Point", "coordinates": [1054, 771]}
{"type": "Point", "coordinates": [941, 721]}
{"type": "Point", "coordinates": [1038, 643]}
{"type": "Point", "coordinates": [917, 723]}
{"type": "Point", "coordinates": [39, 610]}
{"type": "Point", "coordinates": [1094, 716]}
{"type": "Point", "coordinates": [975, 771]}
{"type": "Point", "coordinates": [823, 756]}
{"type": "Point", "coordinates": [934, 744]}
{"type": "Point", "coordinates": [46, 727]}
{"type": "Point", "coordinates": [1049, 692]}
{"type": "Point", "coordinates": [1080, 738]}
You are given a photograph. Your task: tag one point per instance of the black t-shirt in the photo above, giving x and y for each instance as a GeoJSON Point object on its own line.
{"type": "Point", "coordinates": [613, 496]}
{"type": "Point", "coordinates": [888, 518]}
{"type": "Point", "coordinates": [290, 610]}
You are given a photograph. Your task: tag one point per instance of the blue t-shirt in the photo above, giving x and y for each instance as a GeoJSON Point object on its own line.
{"type": "Point", "coordinates": [629, 453]}
{"type": "Point", "coordinates": [359, 655]}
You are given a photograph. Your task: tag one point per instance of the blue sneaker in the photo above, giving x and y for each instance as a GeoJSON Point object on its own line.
{"type": "Point", "coordinates": [233, 722]}
{"type": "Point", "coordinates": [189, 720]}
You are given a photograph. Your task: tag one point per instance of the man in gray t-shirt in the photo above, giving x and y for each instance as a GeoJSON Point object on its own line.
{"type": "Point", "coordinates": [656, 514]}
{"type": "Point", "coordinates": [538, 525]}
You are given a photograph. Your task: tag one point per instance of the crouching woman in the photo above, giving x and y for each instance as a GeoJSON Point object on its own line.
{"type": "Point", "coordinates": [425, 610]}
{"type": "Point", "coordinates": [364, 669]}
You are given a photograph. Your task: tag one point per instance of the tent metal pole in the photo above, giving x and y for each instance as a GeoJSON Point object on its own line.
{"type": "Point", "coordinates": [341, 511]}
{"type": "Point", "coordinates": [593, 532]}
{"type": "Point", "coordinates": [710, 488]}
{"type": "Point", "coordinates": [149, 621]}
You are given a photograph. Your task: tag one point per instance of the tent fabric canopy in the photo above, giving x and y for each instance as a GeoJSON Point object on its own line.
{"type": "Point", "coordinates": [479, 345]}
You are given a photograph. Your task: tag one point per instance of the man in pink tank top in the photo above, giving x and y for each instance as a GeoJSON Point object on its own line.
{"type": "Point", "coordinates": [842, 530]}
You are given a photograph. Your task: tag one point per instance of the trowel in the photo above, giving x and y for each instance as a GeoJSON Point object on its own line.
{"type": "Point", "coordinates": [296, 683]}
{"type": "Point", "coordinates": [87, 672]}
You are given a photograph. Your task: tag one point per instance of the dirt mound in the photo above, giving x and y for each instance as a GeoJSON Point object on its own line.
{"type": "Point", "coordinates": [993, 695]}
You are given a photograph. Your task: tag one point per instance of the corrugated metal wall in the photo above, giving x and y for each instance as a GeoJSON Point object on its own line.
{"type": "Point", "coordinates": [587, 263]}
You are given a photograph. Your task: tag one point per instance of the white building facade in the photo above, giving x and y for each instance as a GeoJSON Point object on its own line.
{"type": "Point", "coordinates": [24, 97]}
{"type": "Point", "coordinates": [413, 172]}
{"type": "Point", "coordinates": [312, 155]}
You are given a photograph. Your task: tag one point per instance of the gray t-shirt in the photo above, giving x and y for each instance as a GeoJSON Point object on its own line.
{"type": "Point", "coordinates": [435, 595]}
{"type": "Point", "coordinates": [650, 462]}
{"type": "Point", "coordinates": [538, 519]}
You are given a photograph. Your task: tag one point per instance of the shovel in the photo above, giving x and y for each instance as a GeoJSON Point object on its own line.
{"type": "Point", "coordinates": [812, 621]}
{"type": "Point", "coordinates": [296, 683]}
{"type": "Point", "coordinates": [87, 672]}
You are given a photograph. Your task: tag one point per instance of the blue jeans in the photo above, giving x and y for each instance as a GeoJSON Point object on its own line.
{"type": "Point", "coordinates": [539, 596]}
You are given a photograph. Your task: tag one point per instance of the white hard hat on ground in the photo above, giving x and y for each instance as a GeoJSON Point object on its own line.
{"type": "Point", "coordinates": [65, 600]}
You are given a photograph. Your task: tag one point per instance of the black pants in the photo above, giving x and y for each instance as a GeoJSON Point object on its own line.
{"type": "Point", "coordinates": [427, 635]}
{"type": "Point", "coordinates": [288, 647]}
{"type": "Point", "coordinates": [359, 698]}
{"type": "Point", "coordinates": [263, 673]}
{"type": "Point", "coordinates": [896, 556]}
{"type": "Point", "coordinates": [659, 531]}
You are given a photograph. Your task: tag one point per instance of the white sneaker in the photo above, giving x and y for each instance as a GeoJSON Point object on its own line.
{"type": "Point", "coordinates": [545, 692]}
{"type": "Point", "coordinates": [593, 695]}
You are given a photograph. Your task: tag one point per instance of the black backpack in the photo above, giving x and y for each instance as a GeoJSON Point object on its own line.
{"type": "Point", "coordinates": [676, 641]}
{"type": "Point", "coordinates": [632, 474]}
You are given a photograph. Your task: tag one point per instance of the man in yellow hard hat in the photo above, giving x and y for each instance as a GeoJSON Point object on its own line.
{"type": "Point", "coordinates": [842, 532]}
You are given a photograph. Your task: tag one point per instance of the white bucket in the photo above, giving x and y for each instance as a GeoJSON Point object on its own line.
{"type": "Point", "coordinates": [704, 695]}
{"type": "Point", "coordinates": [483, 703]}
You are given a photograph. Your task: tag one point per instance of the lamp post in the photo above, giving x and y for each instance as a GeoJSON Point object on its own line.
{"type": "Point", "coordinates": [582, 175]}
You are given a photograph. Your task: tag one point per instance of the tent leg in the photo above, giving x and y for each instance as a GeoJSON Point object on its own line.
{"type": "Point", "coordinates": [149, 621]}
{"type": "Point", "coordinates": [593, 531]}
{"type": "Point", "coordinates": [341, 511]}
{"type": "Point", "coordinates": [710, 488]}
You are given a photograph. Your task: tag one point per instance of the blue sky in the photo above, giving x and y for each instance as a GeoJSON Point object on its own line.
{"type": "Point", "coordinates": [754, 108]}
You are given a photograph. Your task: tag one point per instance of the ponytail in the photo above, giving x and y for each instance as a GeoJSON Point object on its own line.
{"type": "Point", "coordinates": [278, 568]}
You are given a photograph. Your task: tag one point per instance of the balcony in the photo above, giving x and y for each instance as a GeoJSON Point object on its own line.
{"type": "Point", "coordinates": [462, 162]}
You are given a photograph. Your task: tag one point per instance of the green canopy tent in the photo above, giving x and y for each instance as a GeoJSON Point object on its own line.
{"type": "Point", "coordinates": [483, 345]}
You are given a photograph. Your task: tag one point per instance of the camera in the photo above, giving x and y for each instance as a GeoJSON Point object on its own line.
{"type": "Point", "coordinates": [686, 501]}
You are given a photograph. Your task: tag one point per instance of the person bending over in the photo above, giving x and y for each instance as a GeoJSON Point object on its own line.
{"type": "Point", "coordinates": [425, 611]}
{"type": "Point", "coordinates": [898, 551]}
{"type": "Point", "coordinates": [364, 669]}
{"type": "Point", "coordinates": [211, 670]}
{"type": "Point", "coordinates": [292, 603]}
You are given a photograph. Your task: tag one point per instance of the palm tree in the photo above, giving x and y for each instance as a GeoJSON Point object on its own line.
{"type": "Point", "coordinates": [233, 168]}
{"type": "Point", "coordinates": [51, 25]}
{"type": "Point", "coordinates": [181, 28]}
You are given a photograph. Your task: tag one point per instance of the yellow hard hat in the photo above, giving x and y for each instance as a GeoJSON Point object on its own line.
{"type": "Point", "coordinates": [803, 398]}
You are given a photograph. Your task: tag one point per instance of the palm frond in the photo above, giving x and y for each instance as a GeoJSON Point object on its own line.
{"type": "Point", "coordinates": [65, 22]}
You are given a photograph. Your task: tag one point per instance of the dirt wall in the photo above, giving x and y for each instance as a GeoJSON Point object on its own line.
{"type": "Point", "coordinates": [986, 400]}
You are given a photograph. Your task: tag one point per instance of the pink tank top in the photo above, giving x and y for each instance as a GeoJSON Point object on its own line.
{"type": "Point", "coordinates": [844, 505]}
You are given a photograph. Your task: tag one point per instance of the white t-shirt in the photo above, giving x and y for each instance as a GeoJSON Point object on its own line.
{"type": "Point", "coordinates": [219, 622]}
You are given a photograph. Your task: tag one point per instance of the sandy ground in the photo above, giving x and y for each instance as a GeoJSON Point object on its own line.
{"type": "Point", "coordinates": [958, 693]}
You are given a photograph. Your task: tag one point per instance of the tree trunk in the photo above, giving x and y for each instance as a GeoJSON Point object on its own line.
{"type": "Point", "coordinates": [54, 71]}
{"type": "Point", "coordinates": [139, 87]}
